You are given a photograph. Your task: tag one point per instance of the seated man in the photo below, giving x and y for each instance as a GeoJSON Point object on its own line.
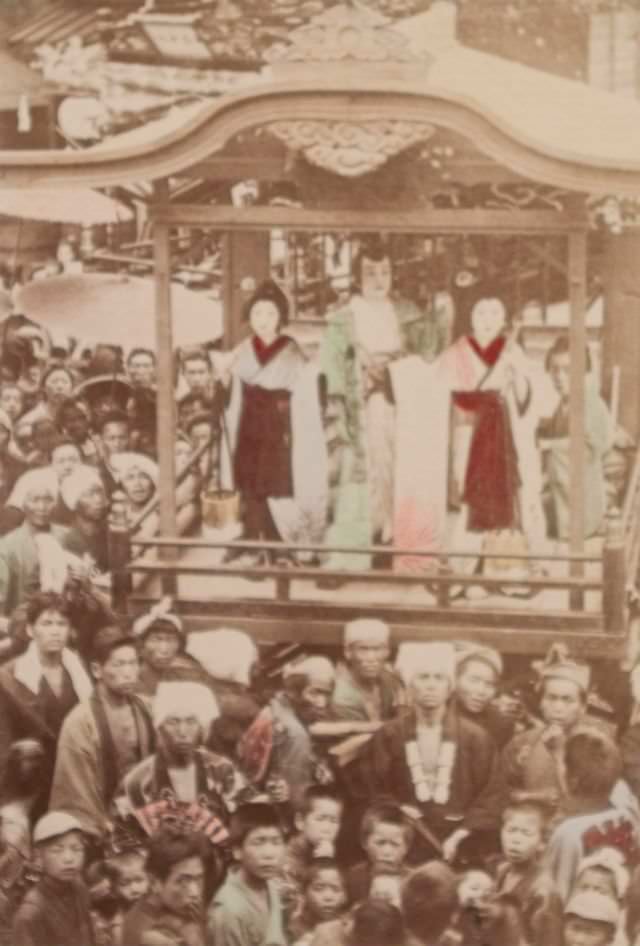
{"type": "Point", "coordinates": [366, 689]}
{"type": "Point", "coordinates": [277, 750]}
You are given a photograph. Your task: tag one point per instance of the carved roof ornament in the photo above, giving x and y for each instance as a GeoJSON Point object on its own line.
{"type": "Point", "coordinates": [350, 148]}
{"type": "Point", "coordinates": [347, 33]}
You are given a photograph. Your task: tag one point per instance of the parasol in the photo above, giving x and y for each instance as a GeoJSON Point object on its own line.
{"type": "Point", "coordinates": [80, 205]}
{"type": "Point", "coordinates": [117, 309]}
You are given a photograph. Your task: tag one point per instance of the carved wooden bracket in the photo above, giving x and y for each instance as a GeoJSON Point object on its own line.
{"type": "Point", "coordinates": [349, 148]}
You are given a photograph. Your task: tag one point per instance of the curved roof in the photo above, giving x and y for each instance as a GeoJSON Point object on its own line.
{"type": "Point", "coordinates": [547, 128]}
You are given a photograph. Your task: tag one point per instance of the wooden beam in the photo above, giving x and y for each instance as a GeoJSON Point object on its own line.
{"type": "Point", "coordinates": [238, 169]}
{"type": "Point", "coordinates": [578, 356]}
{"type": "Point", "coordinates": [419, 221]}
{"type": "Point", "coordinates": [164, 348]}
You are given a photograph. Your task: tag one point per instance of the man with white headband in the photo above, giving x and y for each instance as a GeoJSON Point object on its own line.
{"type": "Point", "coordinates": [366, 689]}
{"type": "Point", "coordinates": [431, 758]}
{"type": "Point", "coordinates": [35, 494]}
{"type": "Point", "coordinates": [181, 769]}
{"type": "Point", "coordinates": [161, 639]}
{"type": "Point", "coordinates": [277, 751]}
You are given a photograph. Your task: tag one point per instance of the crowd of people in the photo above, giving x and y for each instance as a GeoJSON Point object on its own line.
{"type": "Point", "coordinates": [184, 789]}
{"type": "Point", "coordinates": [165, 788]}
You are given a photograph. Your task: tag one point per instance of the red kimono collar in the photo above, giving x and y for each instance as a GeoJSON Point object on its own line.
{"type": "Point", "coordinates": [491, 353]}
{"type": "Point", "coordinates": [265, 353]}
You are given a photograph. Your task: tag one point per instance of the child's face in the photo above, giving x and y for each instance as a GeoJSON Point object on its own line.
{"type": "Point", "coordinates": [475, 888]}
{"type": "Point", "coordinates": [581, 932]}
{"type": "Point", "coordinates": [322, 822]}
{"type": "Point", "coordinates": [386, 887]}
{"type": "Point", "coordinates": [595, 879]}
{"type": "Point", "coordinates": [387, 845]}
{"type": "Point", "coordinates": [326, 894]}
{"type": "Point", "coordinates": [62, 858]}
{"type": "Point", "coordinates": [261, 853]}
{"type": "Point", "coordinates": [521, 836]}
{"type": "Point", "coordinates": [132, 881]}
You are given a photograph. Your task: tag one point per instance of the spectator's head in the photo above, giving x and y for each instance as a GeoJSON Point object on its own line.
{"type": "Point", "coordinates": [36, 494]}
{"type": "Point", "coordinates": [24, 767]}
{"type": "Point", "coordinates": [176, 865]}
{"type": "Point", "coordinates": [590, 920]}
{"type": "Point", "coordinates": [73, 420]}
{"type": "Point", "coordinates": [141, 367]}
{"type": "Point", "coordinates": [593, 765]}
{"type": "Point", "coordinates": [373, 270]}
{"type": "Point", "coordinates": [429, 899]}
{"type": "Point", "coordinates": [386, 835]}
{"type": "Point", "coordinates": [525, 823]}
{"type": "Point", "coordinates": [60, 846]}
{"type": "Point", "coordinates": [325, 891]}
{"type": "Point", "coordinates": [225, 653]}
{"type": "Point", "coordinates": [309, 686]}
{"type": "Point", "coordinates": [160, 634]}
{"type": "Point", "coordinates": [83, 492]}
{"type": "Point", "coordinates": [129, 877]}
{"type": "Point", "coordinates": [197, 370]}
{"type": "Point", "coordinates": [48, 623]}
{"type": "Point", "coordinates": [564, 688]}
{"type": "Point", "coordinates": [604, 872]}
{"type": "Point", "coordinates": [428, 671]}
{"type": "Point", "coordinates": [267, 311]}
{"type": "Point", "coordinates": [318, 817]}
{"type": "Point", "coordinates": [45, 436]}
{"type": "Point", "coordinates": [23, 436]}
{"type": "Point", "coordinates": [258, 842]}
{"type": "Point", "coordinates": [558, 364]}
{"type": "Point", "coordinates": [367, 647]}
{"type": "Point", "coordinates": [114, 433]}
{"type": "Point", "coordinates": [200, 429]}
{"type": "Point", "coordinates": [57, 385]}
{"type": "Point", "coordinates": [478, 675]}
{"type": "Point", "coordinates": [182, 715]}
{"type": "Point", "coordinates": [386, 884]}
{"type": "Point", "coordinates": [376, 923]}
{"type": "Point", "coordinates": [138, 476]}
{"type": "Point", "coordinates": [475, 888]}
{"type": "Point", "coordinates": [11, 400]}
{"type": "Point", "coordinates": [65, 458]}
{"type": "Point", "coordinates": [114, 661]}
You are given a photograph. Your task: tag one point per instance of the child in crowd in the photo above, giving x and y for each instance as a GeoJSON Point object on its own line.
{"type": "Point", "coordinates": [605, 872]}
{"type": "Point", "coordinates": [482, 918]}
{"type": "Point", "coordinates": [317, 822]}
{"type": "Point", "coordinates": [324, 898]}
{"type": "Point", "coordinates": [247, 908]}
{"type": "Point", "coordinates": [386, 836]}
{"type": "Point", "coordinates": [128, 876]}
{"type": "Point", "coordinates": [590, 919]}
{"type": "Point", "coordinates": [520, 875]}
{"type": "Point", "coordinates": [57, 909]}
{"type": "Point", "coordinates": [386, 885]}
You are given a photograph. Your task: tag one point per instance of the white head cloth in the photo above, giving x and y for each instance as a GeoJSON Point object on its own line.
{"type": "Point", "coordinates": [181, 697]}
{"type": "Point", "coordinates": [78, 482]}
{"type": "Point", "coordinates": [33, 481]}
{"type": "Point", "coordinates": [414, 658]}
{"type": "Point", "coordinates": [123, 463]}
{"type": "Point", "coordinates": [226, 654]}
{"type": "Point", "coordinates": [318, 668]}
{"type": "Point", "coordinates": [610, 859]}
{"type": "Point", "coordinates": [366, 630]}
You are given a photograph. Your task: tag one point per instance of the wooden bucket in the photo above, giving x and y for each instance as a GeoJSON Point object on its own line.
{"type": "Point", "coordinates": [220, 507]}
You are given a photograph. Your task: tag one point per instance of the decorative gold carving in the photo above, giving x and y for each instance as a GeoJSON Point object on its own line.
{"type": "Point", "coordinates": [348, 148]}
{"type": "Point", "coordinates": [348, 32]}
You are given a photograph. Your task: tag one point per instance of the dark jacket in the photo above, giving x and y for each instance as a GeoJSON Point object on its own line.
{"type": "Point", "coordinates": [149, 916]}
{"type": "Point", "coordinates": [54, 913]}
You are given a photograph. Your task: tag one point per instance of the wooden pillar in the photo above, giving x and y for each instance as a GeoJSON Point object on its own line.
{"type": "Point", "coordinates": [621, 330]}
{"type": "Point", "coordinates": [578, 343]}
{"type": "Point", "coordinates": [166, 410]}
{"type": "Point", "coordinates": [245, 263]}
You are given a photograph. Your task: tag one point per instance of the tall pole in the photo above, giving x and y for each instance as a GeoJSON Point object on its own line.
{"type": "Point", "coordinates": [166, 408]}
{"type": "Point", "coordinates": [578, 369]}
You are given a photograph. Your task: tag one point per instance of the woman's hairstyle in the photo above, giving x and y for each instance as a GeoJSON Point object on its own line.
{"type": "Point", "coordinates": [562, 346]}
{"type": "Point", "coordinates": [372, 248]}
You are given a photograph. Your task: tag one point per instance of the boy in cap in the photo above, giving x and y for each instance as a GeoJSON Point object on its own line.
{"type": "Point", "coordinates": [56, 911]}
{"type": "Point", "coordinates": [590, 919]}
{"type": "Point", "coordinates": [366, 689]}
